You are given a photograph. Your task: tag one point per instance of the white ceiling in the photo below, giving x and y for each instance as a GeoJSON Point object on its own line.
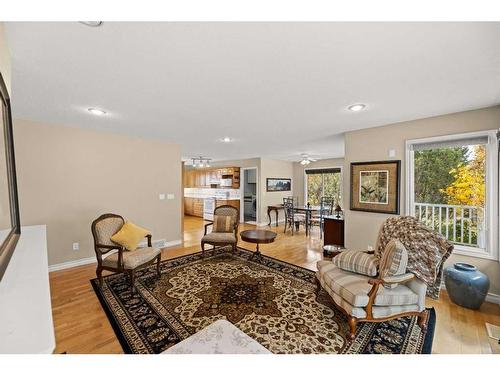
{"type": "Point", "coordinates": [278, 89]}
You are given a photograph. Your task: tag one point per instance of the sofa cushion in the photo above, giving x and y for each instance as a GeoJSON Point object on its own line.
{"type": "Point", "coordinates": [394, 261]}
{"type": "Point", "coordinates": [216, 237]}
{"type": "Point", "coordinates": [357, 262]}
{"type": "Point", "coordinates": [132, 259]}
{"type": "Point", "coordinates": [354, 288]}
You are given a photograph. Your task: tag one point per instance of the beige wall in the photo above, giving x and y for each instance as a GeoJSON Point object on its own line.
{"type": "Point", "coordinates": [273, 169]}
{"type": "Point", "coordinates": [5, 64]}
{"type": "Point", "coordinates": [375, 143]}
{"type": "Point", "coordinates": [67, 177]}
{"type": "Point", "coordinates": [299, 173]}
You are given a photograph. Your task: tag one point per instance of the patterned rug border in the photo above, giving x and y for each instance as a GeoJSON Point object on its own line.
{"type": "Point", "coordinates": [428, 338]}
{"type": "Point", "coordinates": [429, 335]}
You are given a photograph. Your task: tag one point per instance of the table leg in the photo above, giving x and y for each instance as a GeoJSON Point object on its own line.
{"type": "Point", "coordinates": [269, 215]}
{"type": "Point", "coordinates": [277, 217]}
{"type": "Point", "coordinates": [307, 223]}
{"type": "Point", "coordinates": [257, 253]}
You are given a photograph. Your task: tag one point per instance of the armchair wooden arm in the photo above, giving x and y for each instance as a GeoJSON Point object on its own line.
{"type": "Point", "coordinates": [206, 227]}
{"type": "Point", "coordinates": [376, 284]}
{"type": "Point", "coordinates": [108, 249]}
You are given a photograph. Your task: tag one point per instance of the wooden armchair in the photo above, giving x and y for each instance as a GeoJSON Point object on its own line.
{"type": "Point", "coordinates": [364, 299]}
{"type": "Point", "coordinates": [121, 260]}
{"type": "Point", "coordinates": [221, 234]}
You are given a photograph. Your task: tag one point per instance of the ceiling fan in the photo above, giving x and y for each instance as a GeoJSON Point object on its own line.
{"type": "Point", "coordinates": [306, 159]}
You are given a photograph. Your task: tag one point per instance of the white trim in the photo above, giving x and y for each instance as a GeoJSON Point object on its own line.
{"type": "Point", "coordinates": [273, 223]}
{"type": "Point", "coordinates": [172, 243]}
{"type": "Point", "coordinates": [90, 260]}
{"type": "Point", "coordinates": [491, 206]}
{"type": "Point", "coordinates": [72, 263]}
{"type": "Point", "coordinates": [493, 298]}
{"type": "Point", "coordinates": [341, 167]}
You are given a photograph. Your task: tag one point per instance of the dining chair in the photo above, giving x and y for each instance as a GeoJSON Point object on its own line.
{"type": "Point", "coordinates": [326, 208]}
{"type": "Point", "coordinates": [292, 218]}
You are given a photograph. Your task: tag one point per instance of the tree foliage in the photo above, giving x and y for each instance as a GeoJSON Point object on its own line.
{"type": "Point", "coordinates": [468, 185]}
{"type": "Point", "coordinates": [432, 175]}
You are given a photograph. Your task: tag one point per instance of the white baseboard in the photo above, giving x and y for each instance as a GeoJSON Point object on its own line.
{"type": "Point", "coordinates": [266, 224]}
{"type": "Point", "coordinates": [72, 263]}
{"type": "Point", "coordinates": [83, 261]}
{"type": "Point", "coordinates": [493, 298]}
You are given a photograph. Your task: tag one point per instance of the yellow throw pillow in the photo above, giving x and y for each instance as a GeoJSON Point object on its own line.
{"type": "Point", "coordinates": [129, 236]}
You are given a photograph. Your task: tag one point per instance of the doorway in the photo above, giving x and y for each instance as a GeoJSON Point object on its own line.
{"type": "Point", "coordinates": [249, 195]}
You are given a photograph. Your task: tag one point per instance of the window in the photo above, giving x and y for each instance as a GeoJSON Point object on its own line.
{"type": "Point", "coordinates": [452, 188]}
{"type": "Point", "coordinates": [322, 182]}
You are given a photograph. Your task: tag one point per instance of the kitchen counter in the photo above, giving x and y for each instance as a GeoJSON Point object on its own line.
{"type": "Point", "coordinates": [202, 193]}
{"type": "Point", "coordinates": [194, 199]}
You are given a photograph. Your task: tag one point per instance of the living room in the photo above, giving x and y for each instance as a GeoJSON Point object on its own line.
{"type": "Point", "coordinates": [249, 187]}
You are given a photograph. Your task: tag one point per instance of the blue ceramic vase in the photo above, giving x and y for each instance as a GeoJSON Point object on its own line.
{"type": "Point", "coordinates": [465, 285]}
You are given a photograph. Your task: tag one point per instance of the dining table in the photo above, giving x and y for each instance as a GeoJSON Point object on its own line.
{"type": "Point", "coordinates": [308, 210]}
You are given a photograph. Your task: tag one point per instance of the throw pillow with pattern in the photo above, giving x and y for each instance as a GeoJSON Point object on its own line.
{"type": "Point", "coordinates": [357, 261]}
{"type": "Point", "coordinates": [394, 261]}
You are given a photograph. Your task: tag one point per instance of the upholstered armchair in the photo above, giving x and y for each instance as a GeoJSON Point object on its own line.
{"type": "Point", "coordinates": [366, 299]}
{"type": "Point", "coordinates": [224, 228]}
{"type": "Point", "coordinates": [391, 282]}
{"type": "Point", "coordinates": [121, 260]}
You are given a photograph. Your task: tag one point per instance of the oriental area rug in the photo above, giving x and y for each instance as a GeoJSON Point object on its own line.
{"type": "Point", "coordinates": [271, 301]}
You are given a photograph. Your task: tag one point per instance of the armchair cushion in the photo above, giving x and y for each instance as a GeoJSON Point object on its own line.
{"type": "Point", "coordinates": [360, 312]}
{"type": "Point", "coordinates": [354, 288]}
{"type": "Point", "coordinates": [132, 259]}
{"type": "Point", "coordinates": [223, 224]}
{"type": "Point", "coordinates": [129, 236]}
{"type": "Point", "coordinates": [216, 237]}
{"type": "Point", "coordinates": [394, 261]}
{"type": "Point", "coordinates": [357, 262]}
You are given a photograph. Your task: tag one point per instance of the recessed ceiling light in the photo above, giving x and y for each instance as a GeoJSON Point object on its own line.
{"type": "Point", "coordinates": [356, 107]}
{"type": "Point", "coordinates": [97, 111]}
{"type": "Point", "coordinates": [91, 23]}
{"type": "Point", "coordinates": [226, 140]}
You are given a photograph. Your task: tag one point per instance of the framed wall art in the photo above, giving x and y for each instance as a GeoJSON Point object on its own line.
{"type": "Point", "coordinates": [278, 184]}
{"type": "Point", "coordinates": [375, 186]}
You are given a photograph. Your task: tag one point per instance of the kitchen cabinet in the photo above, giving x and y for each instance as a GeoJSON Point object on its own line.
{"type": "Point", "coordinates": [201, 178]}
{"type": "Point", "coordinates": [198, 207]}
{"type": "Point", "coordinates": [193, 206]}
{"type": "Point", "coordinates": [188, 206]}
{"type": "Point", "coordinates": [230, 202]}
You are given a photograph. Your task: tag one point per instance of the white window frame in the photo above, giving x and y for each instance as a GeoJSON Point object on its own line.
{"type": "Point", "coordinates": [320, 168]}
{"type": "Point", "coordinates": [492, 201]}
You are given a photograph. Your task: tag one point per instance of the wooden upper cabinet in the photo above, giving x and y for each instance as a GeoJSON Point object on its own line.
{"type": "Point", "coordinates": [199, 178]}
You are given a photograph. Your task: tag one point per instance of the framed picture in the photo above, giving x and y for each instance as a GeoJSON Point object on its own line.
{"type": "Point", "coordinates": [278, 184]}
{"type": "Point", "coordinates": [375, 186]}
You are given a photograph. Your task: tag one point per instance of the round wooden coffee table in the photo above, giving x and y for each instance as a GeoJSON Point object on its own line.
{"type": "Point", "coordinates": [258, 236]}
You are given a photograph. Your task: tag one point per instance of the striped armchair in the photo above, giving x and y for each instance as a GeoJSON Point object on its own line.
{"type": "Point", "coordinates": [371, 287]}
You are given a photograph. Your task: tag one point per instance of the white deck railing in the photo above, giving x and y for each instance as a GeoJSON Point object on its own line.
{"type": "Point", "coordinates": [462, 225]}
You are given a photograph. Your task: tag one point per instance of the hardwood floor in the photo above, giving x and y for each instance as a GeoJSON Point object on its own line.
{"type": "Point", "coordinates": [81, 325]}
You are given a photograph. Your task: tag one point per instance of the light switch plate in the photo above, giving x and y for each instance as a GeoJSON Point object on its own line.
{"type": "Point", "coordinates": [162, 197]}
{"type": "Point", "coordinates": [392, 153]}
{"type": "Point", "coordinates": [76, 246]}
{"type": "Point", "coordinates": [170, 196]}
